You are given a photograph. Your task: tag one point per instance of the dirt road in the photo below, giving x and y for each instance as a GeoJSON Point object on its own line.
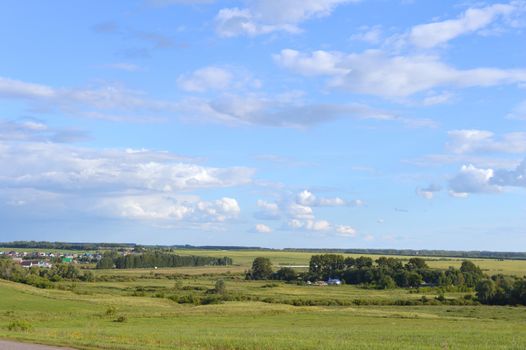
{"type": "Point", "coordinates": [9, 345]}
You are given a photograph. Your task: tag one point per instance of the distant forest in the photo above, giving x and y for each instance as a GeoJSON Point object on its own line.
{"type": "Point", "coordinates": [406, 252]}
{"type": "Point", "coordinates": [158, 259]}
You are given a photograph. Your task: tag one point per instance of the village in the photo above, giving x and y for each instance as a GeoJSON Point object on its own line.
{"type": "Point", "coordinates": [47, 259]}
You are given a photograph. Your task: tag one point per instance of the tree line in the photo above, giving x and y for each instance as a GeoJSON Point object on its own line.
{"type": "Point", "coordinates": [158, 259]}
{"type": "Point", "coordinates": [473, 254]}
{"type": "Point", "coordinates": [388, 272]}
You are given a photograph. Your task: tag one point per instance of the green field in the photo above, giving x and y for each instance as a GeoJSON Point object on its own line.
{"type": "Point", "coordinates": [83, 314]}
{"type": "Point", "coordinates": [243, 258]}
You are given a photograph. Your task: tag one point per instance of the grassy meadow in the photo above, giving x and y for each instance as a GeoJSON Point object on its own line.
{"type": "Point", "coordinates": [140, 309]}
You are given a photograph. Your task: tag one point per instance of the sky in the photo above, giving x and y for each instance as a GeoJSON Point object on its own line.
{"type": "Point", "coordinates": [272, 123]}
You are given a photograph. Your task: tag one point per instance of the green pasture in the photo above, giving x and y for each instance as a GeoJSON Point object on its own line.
{"type": "Point", "coordinates": [80, 320]}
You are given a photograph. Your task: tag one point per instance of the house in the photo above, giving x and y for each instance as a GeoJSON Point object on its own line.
{"type": "Point", "coordinates": [30, 263]}
{"type": "Point", "coordinates": [334, 282]}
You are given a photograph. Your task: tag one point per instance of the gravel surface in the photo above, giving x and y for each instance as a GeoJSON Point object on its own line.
{"type": "Point", "coordinates": [9, 345]}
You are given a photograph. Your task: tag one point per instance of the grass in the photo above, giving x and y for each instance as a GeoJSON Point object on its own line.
{"type": "Point", "coordinates": [133, 309]}
{"type": "Point", "coordinates": [243, 259]}
{"type": "Point", "coordinates": [63, 318]}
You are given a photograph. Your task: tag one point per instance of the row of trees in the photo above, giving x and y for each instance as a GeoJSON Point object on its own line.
{"type": "Point", "coordinates": [388, 272]}
{"type": "Point", "coordinates": [502, 290]}
{"type": "Point", "coordinates": [42, 277]}
{"type": "Point", "coordinates": [158, 259]}
{"type": "Point", "coordinates": [384, 272]}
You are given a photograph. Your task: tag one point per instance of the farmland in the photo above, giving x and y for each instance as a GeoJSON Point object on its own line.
{"type": "Point", "coordinates": [170, 308]}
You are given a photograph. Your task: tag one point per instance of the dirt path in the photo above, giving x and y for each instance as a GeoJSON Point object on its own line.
{"type": "Point", "coordinates": [9, 345]}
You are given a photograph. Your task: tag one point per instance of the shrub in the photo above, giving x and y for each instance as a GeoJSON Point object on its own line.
{"type": "Point", "coordinates": [111, 311]}
{"type": "Point", "coordinates": [19, 326]}
{"type": "Point", "coordinates": [121, 319]}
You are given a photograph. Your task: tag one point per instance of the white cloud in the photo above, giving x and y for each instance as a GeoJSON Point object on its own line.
{"type": "Point", "coordinates": [429, 191]}
{"type": "Point", "coordinates": [473, 180]}
{"type": "Point", "coordinates": [306, 198]}
{"type": "Point", "coordinates": [267, 210]}
{"type": "Point", "coordinates": [299, 211]}
{"type": "Point", "coordinates": [267, 16]}
{"type": "Point", "coordinates": [298, 214]}
{"type": "Point", "coordinates": [310, 225]}
{"type": "Point", "coordinates": [162, 207]}
{"type": "Point", "coordinates": [317, 63]}
{"type": "Point", "coordinates": [282, 111]}
{"type": "Point", "coordinates": [476, 180]}
{"type": "Point", "coordinates": [357, 203]}
{"type": "Point", "coordinates": [213, 78]}
{"type": "Point", "coordinates": [371, 35]}
{"type": "Point", "coordinates": [207, 78]}
{"type": "Point", "coordinates": [436, 99]}
{"type": "Point", "coordinates": [35, 130]}
{"type": "Point", "coordinates": [346, 231]}
{"type": "Point", "coordinates": [375, 73]}
{"type": "Point", "coordinates": [474, 19]}
{"type": "Point", "coordinates": [60, 168]}
{"type": "Point", "coordinates": [471, 141]}
{"type": "Point", "coordinates": [98, 101]}
{"type": "Point", "coordinates": [514, 177]}
{"type": "Point", "coordinates": [261, 228]}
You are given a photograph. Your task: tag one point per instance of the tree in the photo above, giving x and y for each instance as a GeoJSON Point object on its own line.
{"type": "Point", "coordinates": [363, 262]}
{"type": "Point", "coordinates": [486, 291]}
{"type": "Point", "coordinates": [286, 274]}
{"type": "Point", "coordinates": [386, 282]}
{"type": "Point", "coordinates": [326, 265]}
{"type": "Point", "coordinates": [261, 269]}
{"type": "Point", "coordinates": [416, 264]}
{"type": "Point", "coordinates": [220, 287]}
{"type": "Point", "coordinates": [469, 267]}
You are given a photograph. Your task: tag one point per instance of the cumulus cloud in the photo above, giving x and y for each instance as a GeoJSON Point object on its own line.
{"type": "Point", "coordinates": [471, 179]}
{"type": "Point", "coordinates": [116, 183]}
{"type": "Point", "coordinates": [307, 198]}
{"type": "Point", "coordinates": [48, 165]}
{"type": "Point", "coordinates": [163, 207]}
{"type": "Point", "coordinates": [267, 16]}
{"type": "Point", "coordinates": [297, 212]}
{"type": "Point", "coordinates": [514, 177]}
{"type": "Point", "coordinates": [471, 141]}
{"type": "Point", "coordinates": [432, 34]}
{"type": "Point", "coordinates": [374, 72]}
{"type": "Point", "coordinates": [310, 225]}
{"type": "Point", "coordinates": [267, 210]}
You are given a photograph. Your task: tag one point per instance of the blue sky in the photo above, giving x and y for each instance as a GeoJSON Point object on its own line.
{"type": "Point", "coordinates": [314, 123]}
